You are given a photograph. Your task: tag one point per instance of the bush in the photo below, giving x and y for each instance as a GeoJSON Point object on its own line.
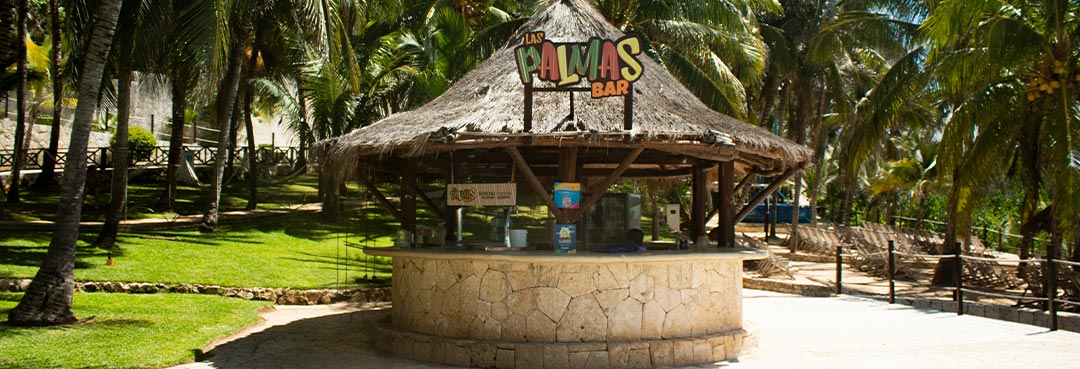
{"type": "Point", "coordinates": [141, 143]}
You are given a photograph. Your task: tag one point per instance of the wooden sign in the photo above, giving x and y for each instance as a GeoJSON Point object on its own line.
{"type": "Point", "coordinates": [609, 66]}
{"type": "Point", "coordinates": [481, 194]}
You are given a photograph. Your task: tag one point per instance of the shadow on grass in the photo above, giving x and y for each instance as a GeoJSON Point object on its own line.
{"type": "Point", "coordinates": [32, 256]}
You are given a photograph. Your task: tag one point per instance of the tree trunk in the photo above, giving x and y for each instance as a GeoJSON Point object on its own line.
{"type": "Point", "coordinates": [20, 108]}
{"type": "Point", "coordinates": [121, 150]}
{"type": "Point", "coordinates": [945, 272]}
{"type": "Point", "coordinates": [176, 138]}
{"type": "Point", "coordinates": [226, 101]}
{"type": "Point", "coordinates": [253, 165]}
{"type": "Point", "coordinates": [48, 299]}
{"type": "Point", "coordinates": [305, 132]}
{"type": "Point", "coordinates": [47, 178]}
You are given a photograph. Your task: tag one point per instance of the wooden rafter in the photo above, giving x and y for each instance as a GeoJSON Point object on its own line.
{"type": "Point", "coordinates": [534, 182]}
{"type": "Point", "coordinates": [380, 197]}
{"type": "Point", "coordinates": [764, 193]}
{"type": "Point", "coordinates": [594, 196]}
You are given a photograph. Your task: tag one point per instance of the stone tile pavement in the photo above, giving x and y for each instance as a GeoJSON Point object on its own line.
{"type": "Point", "coordinates": [791, 332]}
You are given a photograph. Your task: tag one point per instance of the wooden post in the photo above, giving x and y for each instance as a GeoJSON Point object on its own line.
{"type": "Point", "coordinates": [528, 116]}
{"type": "Point", "coordinates": [699, 191]}
{"type": "Point", "coordinates": [892, 272]}
{"type": "Point", "coordinates": [1051, 283]}
{"type": "Point", "coordinates": [839, 269]}
{"type": "Point", "coordinates": [408, 195]}
{"type": "Point", "coordinates": [959, 256]}
{"type": "Point", "coordinates": [726, 208]}
{"type": "Point", "coordinates": [628, 110]}
{"type": "Point", "coordinates": [452, 219]}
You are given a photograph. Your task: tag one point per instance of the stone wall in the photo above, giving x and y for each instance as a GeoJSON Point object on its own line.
{"type": "Point", "coordinates": [590, 312]}
{"type": "Point", "coordinates": [280, 296]}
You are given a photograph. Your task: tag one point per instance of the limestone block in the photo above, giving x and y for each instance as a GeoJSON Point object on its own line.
{"type": "Point", "coordinates": [521, 279]}
{"type": "Point", "coordinates": [618, 355]}
{"type": "Point", "coordinates": [513, 328]}
{"type": "Point", "coordinates": [494, 286]}
{"type": "Point", "coordinates": [642, 287]}
{"type": "Point", "coordinates": [578, 360]}
{"type": "Point", "coordinates": [529, 357]}
{"type": "Point", "coordinates": [483, 310]}
{"type": "Point", "coordinates": [603, 280]}
{"type": "Point", "coordinates": [539, 328]}
{"type": "Point", "coordinates": [444, 276]}
{"type": "Point", "coordinates": [698, 276]}
{"type": "Point", "coordinates": [597, 360]}
{"type": "Point", "coordinates": [458, 355]}
{"type": "Point", "coordinates": [556, 356]}
{"type": "Point", "coordinates": [504, 359]}
{"type": "Point", "coordinates": [621, 273]}
{"type": "Point", "coordinates": [522, 302]}
{"type": "Point", "coordinates": [639, 358]}
{"type": "Point", "coordinates": [548, 275]}
{"type": "Point", "coordinates": [577, 283]}
{"type": "Point", "coordinates": [492, 330]}
{"type": "Point", "coordinates": [500, 311]}
{"type": "Point", "coordinates": [482, 355]}
{"type": "Point", "coordinates": [421, 351]}
{"type": "Point", "coordinates": [584, 320]}
{"type": "Point", "coordinates": [679, 278]}
{"type": "Point", "coordinates": [652, 320]}
{"type": "Point", "coordinates": [718, 353]}
{"type": "Point", "coordinates": [624, 322]}
{"type": "Point", "coordinates": [683, 353]}
{"type": "Point", "coordinates": [552, 302]}
{"type": "Point", "coordinates": [611, 298]}
{"type": "Point", "coordinates": [676, 324]}
{"type": "Point", "coordinates": [668, 298]}
{"type": "Point", "coordinates": [702, 351]}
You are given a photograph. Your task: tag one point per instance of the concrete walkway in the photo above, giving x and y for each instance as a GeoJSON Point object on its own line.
{"type": "Point", "coordinates": [791, 332]}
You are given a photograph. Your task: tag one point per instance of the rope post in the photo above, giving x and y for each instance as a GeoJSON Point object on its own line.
{"type": "Point", "coordinates": [839, 269]}
{"type": "Point", "coordinates": [958, 256]}
{"type": "Point", "coordinates": [892, 272]}
{"type": "Point", "coordinates": [1051, 285]}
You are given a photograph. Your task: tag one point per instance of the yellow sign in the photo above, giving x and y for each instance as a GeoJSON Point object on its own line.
{"type": "Point", "coordinates": [481, 194]}
{"type": "Point", "coordinates": [609, 66]}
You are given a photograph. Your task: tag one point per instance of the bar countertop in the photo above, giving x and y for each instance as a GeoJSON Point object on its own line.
{"type": "Point", "coordinates": [549, 256]}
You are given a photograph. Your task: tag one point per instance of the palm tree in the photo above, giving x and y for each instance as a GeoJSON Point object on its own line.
{"type": "Point", "coordinates": [131, 17]}
{"type": "Point", "coordinates": [47, 177]}
{"type": "Point", "coordinates": [240, 28]}
{"type": "Point", "coordinates": [712, 47]}
{"type": "Point", "coordinates": [48, 299]}
{"type": "Point", "coordinates": [20, 108]}
{"type": "Point", "coordinates": [1009, 73]}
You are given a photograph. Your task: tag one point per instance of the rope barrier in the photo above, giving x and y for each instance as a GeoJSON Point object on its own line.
{"type": "Point", "coordinates": [991, 294]}
{"type": "Point", "coordinates": [926, 255]}
{"type": "Point", "coordinates": [1068, 302]}
{"type": "Point", "coordinates": [978, 258]}
{"type": "Point", "coordinates": [1064, 262]}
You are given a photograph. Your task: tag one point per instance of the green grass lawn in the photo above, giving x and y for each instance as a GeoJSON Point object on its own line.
{"type": "Point", "coordinates": [124, 331]}
{"type": "Point", "coordinates": [144, 192]}
{"type": "Point", "coordinates": [299, 250]}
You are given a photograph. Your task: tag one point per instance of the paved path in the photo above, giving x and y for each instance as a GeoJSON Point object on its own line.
{"type": "Point", "coordinates": [791, 331]}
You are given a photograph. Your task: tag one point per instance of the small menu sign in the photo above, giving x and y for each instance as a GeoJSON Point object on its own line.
{"type": "Point", "coordinates": [481, 194]}
{"type": "Point", "coordinates": [565, 238]}
{"type": "Point", "coordinates": [567, 195]}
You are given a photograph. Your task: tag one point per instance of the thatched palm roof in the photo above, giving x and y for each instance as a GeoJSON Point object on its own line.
{"type": "Point", "coordinates": [484, 109]}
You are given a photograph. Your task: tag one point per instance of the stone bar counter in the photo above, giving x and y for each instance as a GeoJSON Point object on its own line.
{"type": "Point", "coordinates": [537, 309]}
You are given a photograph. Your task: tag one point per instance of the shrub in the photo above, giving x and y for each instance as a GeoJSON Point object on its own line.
{"type": "Point", "coordinates": [141, 143]}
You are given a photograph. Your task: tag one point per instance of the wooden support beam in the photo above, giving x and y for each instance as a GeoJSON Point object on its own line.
{"type": "Point", "coordinates": [380, 197]}
{"type": "Point", "coordinates": [534, 183]}
{"type": "Point", "coordinates": [595, 195]}
{"type": "Point", "coordinates": [726, 207]}
{"type": "Point", "coordinates": [568, 164]}
{"type": "Point", "coordinates": [699, 190]}
{"type": "Point", "coordinates": [444, 214]}
{"type": "Point", "coordinates": [763, 194]}
{"type": "Point", "coordinates": [744, 182]}
{"type": "Point", "coordinates": [408, 195]}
